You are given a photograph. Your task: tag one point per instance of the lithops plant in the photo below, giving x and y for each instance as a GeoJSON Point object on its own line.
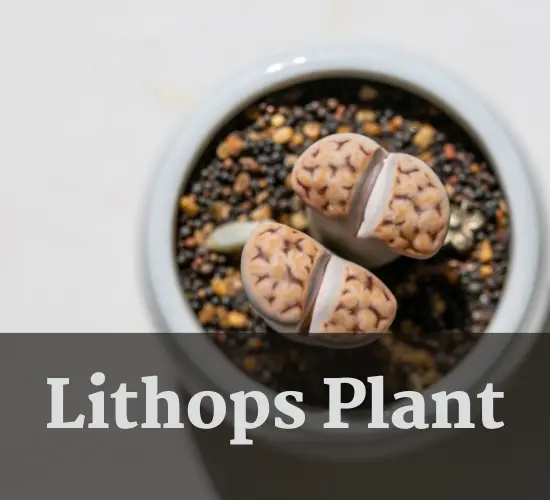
{"type": "Point", "coordinates": [369, 205]}
{"type": "Point", "coordinates": [308, 293]}
{"type": "Point", "coordinates": [463, 223]}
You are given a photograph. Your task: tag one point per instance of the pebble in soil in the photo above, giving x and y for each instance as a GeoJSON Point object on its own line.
{"type": "Point", "coordinates": [445, 303]}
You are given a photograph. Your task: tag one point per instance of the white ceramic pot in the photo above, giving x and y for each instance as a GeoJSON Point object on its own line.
{"type": "Point", "coordinates": [522, 308]}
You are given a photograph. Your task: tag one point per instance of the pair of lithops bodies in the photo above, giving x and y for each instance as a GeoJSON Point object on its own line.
{"type": "Point", "coordinates": [369, 207]}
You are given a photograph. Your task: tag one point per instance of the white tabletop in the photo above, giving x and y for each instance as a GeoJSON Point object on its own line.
{"type": "Point", "coordinates": [90, 92]}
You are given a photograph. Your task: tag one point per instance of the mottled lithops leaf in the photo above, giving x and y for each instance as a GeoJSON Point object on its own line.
{"type": "Point", "coordinates": [329, 173]}
{"type": "Point", "coordinates": [278, 267]}
{"type": "Point", "coordinates": [352, 307]}
{"type": "Point", "coordinates": [232, 236]}
{"type": "Point", "coordinates": [414, 218]}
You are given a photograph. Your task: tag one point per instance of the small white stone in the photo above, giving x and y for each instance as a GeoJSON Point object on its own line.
{"type": "Point", "coordinates": [231, 237]}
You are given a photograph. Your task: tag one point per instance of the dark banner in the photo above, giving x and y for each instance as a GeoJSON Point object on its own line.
{"type": "Point", "coordinates": [110, 447]}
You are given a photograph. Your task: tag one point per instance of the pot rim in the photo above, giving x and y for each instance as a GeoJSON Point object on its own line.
{"type": "Point", "coordinates": [522, 307]}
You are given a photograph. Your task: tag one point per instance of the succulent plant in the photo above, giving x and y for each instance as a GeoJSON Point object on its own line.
{"type": "Point", "coordinates": [376, 206]}
{"type": "Point", "coordinates": [463, 223]}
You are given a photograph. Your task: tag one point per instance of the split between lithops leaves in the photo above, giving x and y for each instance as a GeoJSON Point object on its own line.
{"type": "Point", "coordinates": [306, 292]}
{"type": "Point", "coordinates": [370, 205]}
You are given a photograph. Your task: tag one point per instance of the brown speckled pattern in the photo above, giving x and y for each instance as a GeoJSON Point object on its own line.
{"type": "Point", "coordinates": [277, 266]}
{"type": "Point", "coordinates": [327, 173]}
{"type": "Point", "coordinates": [416, 218]}
{"type": "Point", "coordinates": [365, 304]}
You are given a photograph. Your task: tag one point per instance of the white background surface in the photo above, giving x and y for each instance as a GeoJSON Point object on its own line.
{"type": "Point", "coordinates": [91, 90]}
